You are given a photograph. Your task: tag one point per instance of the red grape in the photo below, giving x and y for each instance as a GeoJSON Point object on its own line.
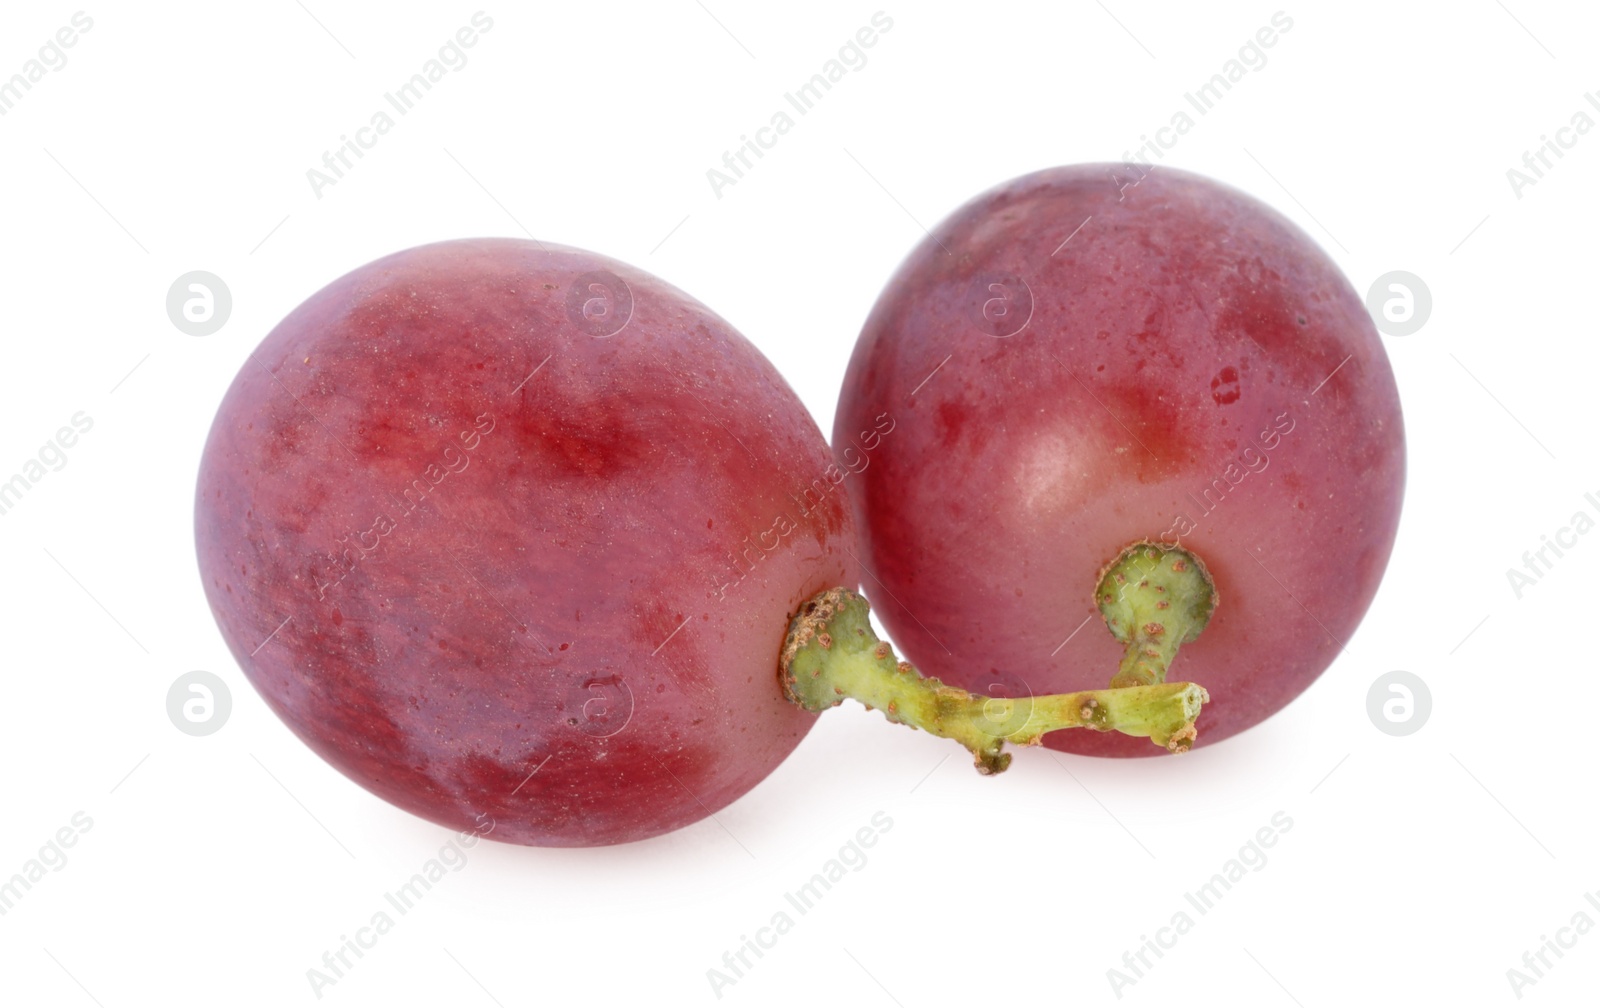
{"type": "Point", "coordinates": [503, 531]}
{"type": "Point", "coordinates": [1093, 355]}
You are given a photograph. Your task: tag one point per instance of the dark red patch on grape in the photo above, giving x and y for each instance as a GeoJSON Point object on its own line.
{"type": "Point", "coordinates": [1225, 386]}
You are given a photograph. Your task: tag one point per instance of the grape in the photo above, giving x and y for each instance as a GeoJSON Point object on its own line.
{"type": "Point", "coordinates": [1093, 356]}
{"type": "Point", "coordinates": [504, 532]}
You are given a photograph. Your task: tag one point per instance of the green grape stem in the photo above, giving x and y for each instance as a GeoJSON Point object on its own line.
{"type": "Point", "coordinates": [1154, 598]}
{"type": "Point", "coordinates": [831, 653]}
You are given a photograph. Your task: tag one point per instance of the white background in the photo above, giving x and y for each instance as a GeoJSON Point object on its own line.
{"type": "Point", "coordinates": [220, 869]}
